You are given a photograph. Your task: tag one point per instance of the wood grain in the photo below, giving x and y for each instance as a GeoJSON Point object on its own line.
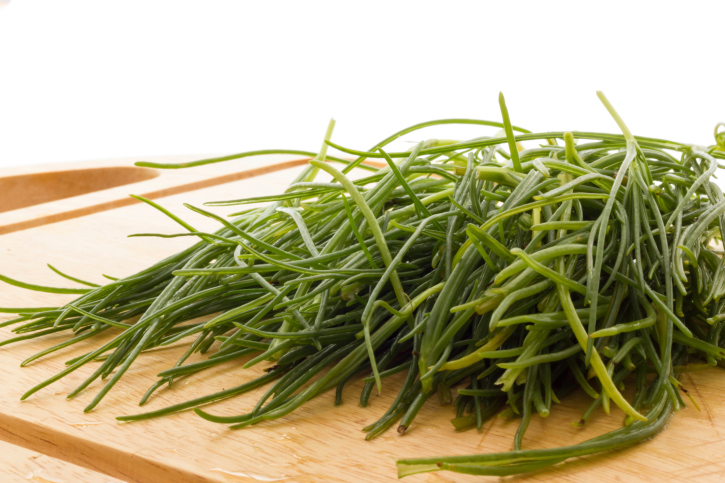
{"type": "Point", "coordinates": [20, 464]}
{"type": "Point", "coordinates": [25, 190]}
{"type": "Point", "coordinates": [103, 185]}
{"type": "Point", "coordinates": [319, 442]}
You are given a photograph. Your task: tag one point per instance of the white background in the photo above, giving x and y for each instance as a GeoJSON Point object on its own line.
{"type": "Point", "coordinates": [102, 79]}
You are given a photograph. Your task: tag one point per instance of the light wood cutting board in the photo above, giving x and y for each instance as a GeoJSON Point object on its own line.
{"type": "Point", "coordinates": [85, 235]}
{"type": "Point", "coordinates": [21, 464]}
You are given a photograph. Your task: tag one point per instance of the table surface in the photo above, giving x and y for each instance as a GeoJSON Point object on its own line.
{"type": "Point", "coordinates": [319, 442]}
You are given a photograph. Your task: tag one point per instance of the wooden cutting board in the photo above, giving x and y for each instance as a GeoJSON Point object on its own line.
{"type": "Point", "coordinates": [21, 464]}
{"type": "Point", "coordinates": [85, 235]}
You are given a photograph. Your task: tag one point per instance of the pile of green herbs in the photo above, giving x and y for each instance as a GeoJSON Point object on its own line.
{"type": "Point", "coordinates": [499, 278]}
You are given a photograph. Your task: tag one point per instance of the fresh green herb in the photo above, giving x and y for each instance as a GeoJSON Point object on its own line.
{"type": "Point", "coordinates": [505, 275]}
